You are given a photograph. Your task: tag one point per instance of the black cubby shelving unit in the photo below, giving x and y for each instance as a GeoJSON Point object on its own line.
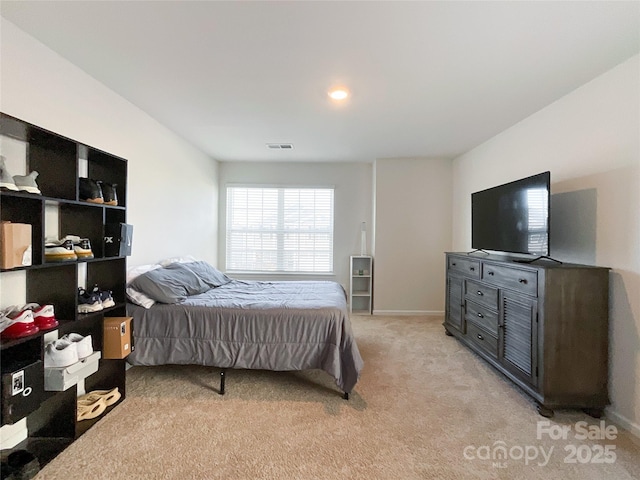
{"type": "Point", "coordinates": [60, 162]}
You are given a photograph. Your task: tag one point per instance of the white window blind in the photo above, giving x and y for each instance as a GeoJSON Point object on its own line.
{"type": "Point", "coordinates": [279, 229]}
{"type": "Point", "coordinates": [537, 204]}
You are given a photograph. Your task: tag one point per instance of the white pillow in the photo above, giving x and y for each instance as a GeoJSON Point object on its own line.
{"type": "Point", "coordinates": [140, 298]}
{"type": "Point", "coordinates": [134, 272]}
{"type": "Point", "coordinates": [169, 261]}
{"type": "Point", "coordinates": [135, 296]}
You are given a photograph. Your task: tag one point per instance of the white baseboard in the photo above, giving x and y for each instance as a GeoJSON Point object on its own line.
{"type": "Point", "coordinates": [623, 421]}
{"type": "Point", "coordinates": [428, 313]}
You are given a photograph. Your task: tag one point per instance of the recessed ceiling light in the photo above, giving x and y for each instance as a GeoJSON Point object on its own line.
{"type": "Point", "coordinates": [339, 93]}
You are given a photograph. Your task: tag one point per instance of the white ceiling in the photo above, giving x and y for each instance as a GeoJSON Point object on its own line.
{"type": "Point", "coordinates": [428, 78]}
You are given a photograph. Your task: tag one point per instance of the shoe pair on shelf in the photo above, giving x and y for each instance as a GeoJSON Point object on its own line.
{"type": "Point", "coordinates": [25, 183]}
{"type": "Point", "coordinates": [97, 191]}
{"type": "Point", "coordinates": [95, 300]}
{"type": "Point", "coordinates": [29, 319]}
{"type": "Point", "coordinates": [69, 248]}
{"type": "Point", "coordinates": [67, 350]}
{"type": "Point", "coordinates": [94, 403]}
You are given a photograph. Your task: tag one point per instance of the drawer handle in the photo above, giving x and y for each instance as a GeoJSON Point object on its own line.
{"type": "Point", "coordinates": [479, 292]}
{"type": "Point", "coordinates": [490, 274]}
{"type": "Point", "coordinates": [473, 269]}
{"type": "Point", "coordinates": [480, 315]}
{"type": "Point", "coordinates": [480, 337]}
{"type": "Point", "coordinates": [522, 280]}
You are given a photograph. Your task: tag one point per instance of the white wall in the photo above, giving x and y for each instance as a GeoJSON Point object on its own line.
{"type": "Point", "coordinates": [172, 190]}
{"type": "Point", "coordinates": [413, 230]}
{"type": "Point", "coordinates": [352, 203]}
{"type": "Point", "coordinates": [590, 141]}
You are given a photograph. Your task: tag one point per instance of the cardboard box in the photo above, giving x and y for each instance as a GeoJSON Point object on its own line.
{"type": "Point", "coordinates": [15, 245]}
{"type": "Point", "coordinates": [118, 337]}
{"type": "Point", "coordinates": [60, 379]}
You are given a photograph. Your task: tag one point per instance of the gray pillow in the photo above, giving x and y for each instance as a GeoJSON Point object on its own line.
{"type": "Point", "coordinates": [207, 273]}
{"type": "Point", "coordinates": [171, 284]}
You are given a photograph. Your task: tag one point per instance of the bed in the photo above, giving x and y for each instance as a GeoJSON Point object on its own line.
{"type": "Point", "coordinates": [198, 316]}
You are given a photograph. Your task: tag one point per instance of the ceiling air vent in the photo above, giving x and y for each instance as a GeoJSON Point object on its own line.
{"type": "Point", "coordinates": [280, 146]}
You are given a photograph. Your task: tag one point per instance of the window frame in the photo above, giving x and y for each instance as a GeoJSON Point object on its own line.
{"type": "Point", "coordinates": [279, 231]}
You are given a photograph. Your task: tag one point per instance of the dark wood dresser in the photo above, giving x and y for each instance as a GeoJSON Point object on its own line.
{"type": "Point", "coordinates": [543, 324]}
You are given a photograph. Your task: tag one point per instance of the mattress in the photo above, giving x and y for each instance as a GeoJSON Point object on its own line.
{"type": "Point", "coordinates": [282, 326]}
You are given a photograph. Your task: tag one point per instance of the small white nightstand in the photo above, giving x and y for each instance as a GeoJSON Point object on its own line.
{"type": "Point", "coordinates": [360, 285]}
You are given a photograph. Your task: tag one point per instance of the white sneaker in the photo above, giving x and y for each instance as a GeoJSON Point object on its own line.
{"type": "Point", "coordinates": [27, 183]}
{"type": "Point", "coordinates": [59, 250]}
{"type": "Point", "coordinates": [81, 246]}
{"type": "Point", "coordinates": [60, 353]}
{"type": "Point", "coordinates": [84, 345]}
{"type": "Point", "coordinates": [6, 180]}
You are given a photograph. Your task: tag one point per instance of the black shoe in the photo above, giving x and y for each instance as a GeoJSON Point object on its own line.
{"type": "Point", "coordinates": [91, 191]}
{"type": "Point", "coordinates": [24, 464]}
{"type": "Point", "coordinates": [8, 473]}
{"type": "Point", "coordinates": [109, 193]}
{"type": "Point", "coordinates": [106, 296]}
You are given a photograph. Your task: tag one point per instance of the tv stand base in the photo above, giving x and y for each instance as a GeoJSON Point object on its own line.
{"type": "Point", "coordinates": [478, 250]}
{"type": "Point", "coordinates": [541, 257]}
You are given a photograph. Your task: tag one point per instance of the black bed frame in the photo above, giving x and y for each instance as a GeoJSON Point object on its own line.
{"type": "Point", "coordinates": [223, 376]}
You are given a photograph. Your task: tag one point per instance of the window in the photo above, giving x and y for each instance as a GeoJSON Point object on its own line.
{"type": "Point", "coordinates": [280, 229]}
{"type": "Point", "coordinates": [537, 228]}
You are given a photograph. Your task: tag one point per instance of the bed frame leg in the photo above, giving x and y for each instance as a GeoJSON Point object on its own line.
{"type": "Point", "coordinates": [222, 378]}
{"type": "Point", "coordinates": [346, 395]}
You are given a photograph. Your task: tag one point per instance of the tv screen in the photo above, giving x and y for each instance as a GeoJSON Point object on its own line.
{"type": "Point", "coordinates": [513, 217]}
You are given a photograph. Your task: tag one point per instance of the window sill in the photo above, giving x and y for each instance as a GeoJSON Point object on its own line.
{"type": "Point", "coordinates": [231, 273]}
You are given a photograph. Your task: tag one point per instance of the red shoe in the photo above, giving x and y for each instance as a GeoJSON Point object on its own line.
{"type": "Point", "coordinates": [17, 325]}
{"type": "Point", "coordinates": [43, 316]}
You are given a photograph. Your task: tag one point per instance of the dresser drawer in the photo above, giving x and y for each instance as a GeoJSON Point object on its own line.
{"type": "Point", "coordinates": [481, 293]}
{"type": "Point", "coordinates": [482, 316]}
{"type": "Point", "coordinates": [466, 266]}
{"type": "Point", "coordinates": [483, 340]}
{"type": "Point", "coordinates": [525, 281]}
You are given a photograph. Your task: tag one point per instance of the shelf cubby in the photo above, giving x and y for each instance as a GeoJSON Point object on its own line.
{"type": "Point", "coordinates": [110, 169]}
{"type": "Point", "coordinates": [55, 159]}
{"type": "Point", "coordinates": [85, 222]}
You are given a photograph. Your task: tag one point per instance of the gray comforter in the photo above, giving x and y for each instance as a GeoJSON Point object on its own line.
{"type": "Point", "coordinates": [253, 325]}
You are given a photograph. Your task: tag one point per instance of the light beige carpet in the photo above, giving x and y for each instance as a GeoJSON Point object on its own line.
{"type": "Point", "coordinates": [424, 408]}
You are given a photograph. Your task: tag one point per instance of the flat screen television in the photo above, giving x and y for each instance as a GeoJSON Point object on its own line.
{"type": "Point", "coordinates": [513, 217]}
